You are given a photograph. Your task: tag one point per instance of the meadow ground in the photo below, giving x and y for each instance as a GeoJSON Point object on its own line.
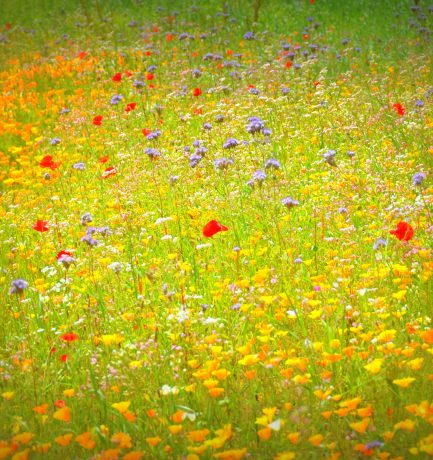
{"type": "Point", "coordinates": [216, 229]}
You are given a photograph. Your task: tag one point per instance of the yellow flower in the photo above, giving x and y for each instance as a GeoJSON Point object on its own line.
{"type": "Point", "coordinates": [403, 383]}
{"type": "Point", "coordinates": [122, 407]}
{"type": "Point", "coordinates": [360, 427]}
{"type": "Point", "coordinates": [375, 366]}
{"type": "Point", "coordinates": [63, 440]}
{"type": "Point", "coordinates": [123, 440]}
{"type": "Point", "coordinates": [234, 454]}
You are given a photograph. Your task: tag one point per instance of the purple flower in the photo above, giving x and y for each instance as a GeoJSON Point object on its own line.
{"type": "Point", "coordinates": [285, 90]}
{"type": "Point", "coordinates": [152, 153]}
{"type": "Point", "coordinates": [151, 68]}
{"type": "Point", "coordinates": [55, 141]}
{"type": "Point", "coordinates": [255, 125]}
{"type": "Point", "coordinates": [272, 163]}
{"type": "Point", "coordinates": [289, 202]}
{"type": "Point", "coordinates": [223, 163]}
{"type": "Point", "coordinates": [116, 99]}
{"type": "Point", "coordinates": [380, 242]}
{"type": "Point", "coordinates": [259, 176]}
{"type": "Point", "coordinates": [183, 36]}
{"type": "Point", "coordinates": [298, 261]}
{"type": "Point", "coordinates": [230, 143]}
{"type": "Point", "coordinates": [418, 178]}
{"type": "Point", "coordinates": [64, 111]}
{"type": "Point", "coordinates": [88, 239]}
{"type": "Point", "coordinates": [266, 131]}
{"type": "Point", "coordinates": [207, 126]}
{"type": "Point", "coordinates": [173, 179]}
{"type": "Point", "coordinates": [80, 166]}
{"type": "Point", "coordinates": [86, 218]}
{"type": "Point", "coordinates": [249, 36]}
{"type": "Point", "coordinates": [219, 118]}
{"type": "Point", "coordinates": [154, 135]}
{"type": "Point", "coordinates": [200, 151]}
{"type": "Point", "coordinates": [343, 210]}
{"type": "Point", "coordinates": [254, 91]}
{"type": "Point", "coordinates": [138, 84]}
{"type": "Point", "coordinates": [419, 103]}
{"type": "Point", "coordinates": [373, 444]}
{"type": "Point", "coordinates": [329, 157]}
{"type": "Point", "coordinates": [194, 160]}
{"type": "Point", "coordinates": [66, 260]}
{"type": "Point", "coordinates": [350, 153]}
{"type": "Point", "coordinates": [18, 286]}
{"type": "Point", "coordinates": [197, 143]}
{"type": "Point", "coordinates": [196, 73]}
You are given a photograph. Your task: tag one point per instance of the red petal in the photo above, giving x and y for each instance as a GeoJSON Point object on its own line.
{"type": "Point", "coordinates": [213, 227]}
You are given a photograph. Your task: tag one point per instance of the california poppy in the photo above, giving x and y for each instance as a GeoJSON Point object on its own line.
{"type": "Point", "coordinates": [97, 120]}
{"type": "Point", "coordinates": [403, 231]}
{"type": "Point", "coordinates": [41, 226]}
{"type": "Point", "coordinates": [103, 159]}
{"type": "Point", "coordinates": [213, 227]}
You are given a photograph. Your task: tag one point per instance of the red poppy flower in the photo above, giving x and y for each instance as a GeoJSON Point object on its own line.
{"type": "Point", "coordinates": [48, 162]}
{"type": "Point", "coordinates": [169, 37]}
{"type": "Point", "coordinates": [213, 227]}
{"type": "Point", "coordinates": [64, 358]}
{"type": "Point", "coordinates": [148, 53]}
{"type": "Point", "coordinates": [110, 171]}
{"type": "Point", "coordinates": [150, 76]}
{"type": "Point", "coordinates": [103, 159]}
{"type": "Point", "coordinates": [82, 55]}
{"type": "Point", "coordinates": [250, 86]}
{"type": "Point", "coordinates": [41, 226]}
{"type": "Point", "coordinates": [98, 120]}
{"type": "Point", "coordinates": [117, 77]}
{"type": "Point", "coordinates": [403, 231]}
{"type": "Point", "coordinates": [60, 403]}
{"type": "Point", "coordinates": [128, 73]}
{"type": "Point", "coordinates": [8, 26]}
{"type": "Point", "coordinates": [289, 64]}
{"type": "Point", "coordinates": [130, 106]}
{"type": "Point", "coordinates": [69, 337]}
{"type": "Point", "coordinates": [146, 131]}
{"type": "Point", "coordinates": [196, 92]}
{"type": "Point", "coordinates": [399, 108]}
{"type": "Point", "coordinates": [63, 253]}
{"type": "Point", "coordinates": [151, 86]}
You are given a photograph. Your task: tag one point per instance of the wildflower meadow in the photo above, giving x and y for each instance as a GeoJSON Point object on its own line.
{"type": "Point", "coordinates": [216, 234]}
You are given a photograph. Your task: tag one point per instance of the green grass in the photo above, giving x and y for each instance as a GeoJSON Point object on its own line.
{"type": "Point", "coordinates": [290, 335]}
